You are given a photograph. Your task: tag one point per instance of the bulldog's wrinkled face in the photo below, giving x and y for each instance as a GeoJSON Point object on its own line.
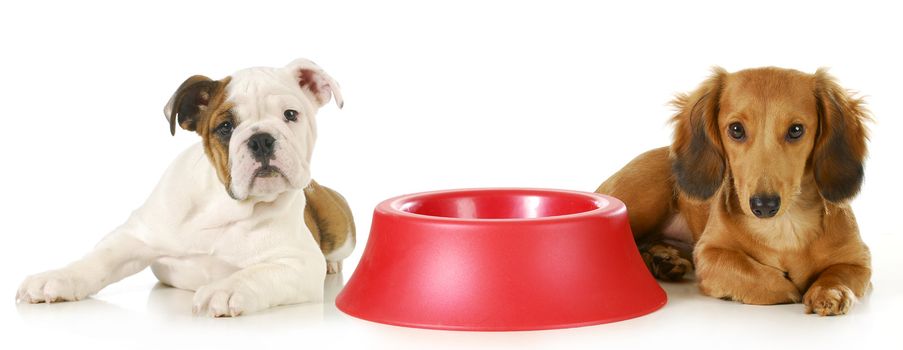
{"type": "Point", "coordinates": [257, 125]}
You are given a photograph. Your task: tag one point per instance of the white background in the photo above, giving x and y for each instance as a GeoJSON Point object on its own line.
{"type": "Point", "coordinates": [438, 96]}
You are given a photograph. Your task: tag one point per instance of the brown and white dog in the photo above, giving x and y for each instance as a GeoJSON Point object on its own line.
{"type": "Point", "coordinates": [236, 217]}
{"type": "Point", "coordinates": [757, 179]}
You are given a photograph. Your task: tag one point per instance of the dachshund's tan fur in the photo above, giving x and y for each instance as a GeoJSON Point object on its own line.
{"type": "Point", "coordinates": [810, 250]}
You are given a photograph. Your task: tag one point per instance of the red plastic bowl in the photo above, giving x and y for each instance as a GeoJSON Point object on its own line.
{"type": "Point", "coordinates": [499, 260]}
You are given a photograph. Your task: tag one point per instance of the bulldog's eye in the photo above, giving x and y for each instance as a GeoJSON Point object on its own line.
{"type": "Point", "coordinates": [224, 129]}
{"type": "Point", "coordinates": [736, 131]}
{"type": "Point", "coordinates": [795, 132]}
{"type": "Point", "coordinates": [290, 115]}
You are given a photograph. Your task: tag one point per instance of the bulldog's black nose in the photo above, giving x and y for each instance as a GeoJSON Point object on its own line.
{"type": "Point", "coordinates": [765, 206]}
{"type": "Point", "coordinates": [261, 146]}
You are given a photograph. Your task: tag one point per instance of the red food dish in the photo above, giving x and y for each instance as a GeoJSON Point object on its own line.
{"type": "Point", "coordinates": [500, 260]}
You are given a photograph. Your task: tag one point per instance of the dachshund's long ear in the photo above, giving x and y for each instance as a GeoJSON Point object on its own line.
{"type": "Point", "coordinates": [839, 153]}
{"type": "Point", "coordinates": [697, 160]}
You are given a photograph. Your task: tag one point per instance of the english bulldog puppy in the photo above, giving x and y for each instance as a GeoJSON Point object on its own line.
{"type": "Point", "coordinates": [236, 217]}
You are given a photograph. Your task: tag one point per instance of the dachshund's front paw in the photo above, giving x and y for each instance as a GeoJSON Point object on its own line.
{"type": "Point", "coordinates": [665, 262]}
{"type": "Point", "coordinates": [829, 301]}
{"type": "Point", "coordinates": [771, 288]}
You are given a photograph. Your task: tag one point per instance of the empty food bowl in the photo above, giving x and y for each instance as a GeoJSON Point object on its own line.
{"type": "Point", "coordinates": [499, 260]}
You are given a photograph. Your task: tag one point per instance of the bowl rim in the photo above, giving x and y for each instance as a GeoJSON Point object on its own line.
{"type": "Point", "coordinates": [606, 206]}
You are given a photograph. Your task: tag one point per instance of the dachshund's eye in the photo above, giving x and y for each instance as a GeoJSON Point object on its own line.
{"type": "Point", "coordinates": [224, 129]}
{"type": "Point", "coordinates": [290, 115]}
{"type": "Point", "coordinates": [736, 131]}
{"type": "Point", "coordinates": [795, 132]}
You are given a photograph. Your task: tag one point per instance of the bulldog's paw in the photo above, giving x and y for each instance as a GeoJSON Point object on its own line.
{"type": "Point", "coordinates": [53, 286]}
{"type": "Point", "coordinates": [224, 298]}
{"type": "Point", "coordinates": [333, 267]}
{"type": "Point", "coordinates": [829, 301]}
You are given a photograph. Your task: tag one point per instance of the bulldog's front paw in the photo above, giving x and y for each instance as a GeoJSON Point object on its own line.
{"type": "Point", "coordinates": [224, 298]}
{"type": "Point", "coordinates": [53, 286]}
{"type": "Point", "coordinates": [829, 301]}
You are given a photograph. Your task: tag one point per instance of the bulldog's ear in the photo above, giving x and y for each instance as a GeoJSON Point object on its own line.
{"type": "Point", "coordinates": [189, 100]}
{"type": "Point", "coordinates": [312, 78]}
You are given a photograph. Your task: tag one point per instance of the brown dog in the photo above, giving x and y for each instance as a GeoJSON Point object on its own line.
{"type": "Point", "coordinates": [757, 178]}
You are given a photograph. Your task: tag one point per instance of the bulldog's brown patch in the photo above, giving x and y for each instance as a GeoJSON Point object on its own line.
{"type": "Point", "coordinates": [216, 145]}
{"type": "Point", "coordinates": [328, 217]}
{"type": "Point", "coordinates": [200, 105]}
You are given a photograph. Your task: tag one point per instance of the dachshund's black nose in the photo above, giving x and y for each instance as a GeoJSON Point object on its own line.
{"type": "Point", "coordinates": [765, 206]}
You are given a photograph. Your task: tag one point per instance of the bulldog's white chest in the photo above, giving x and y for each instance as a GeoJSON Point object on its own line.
{"type": "Point", "coordinates": [202, 234]}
